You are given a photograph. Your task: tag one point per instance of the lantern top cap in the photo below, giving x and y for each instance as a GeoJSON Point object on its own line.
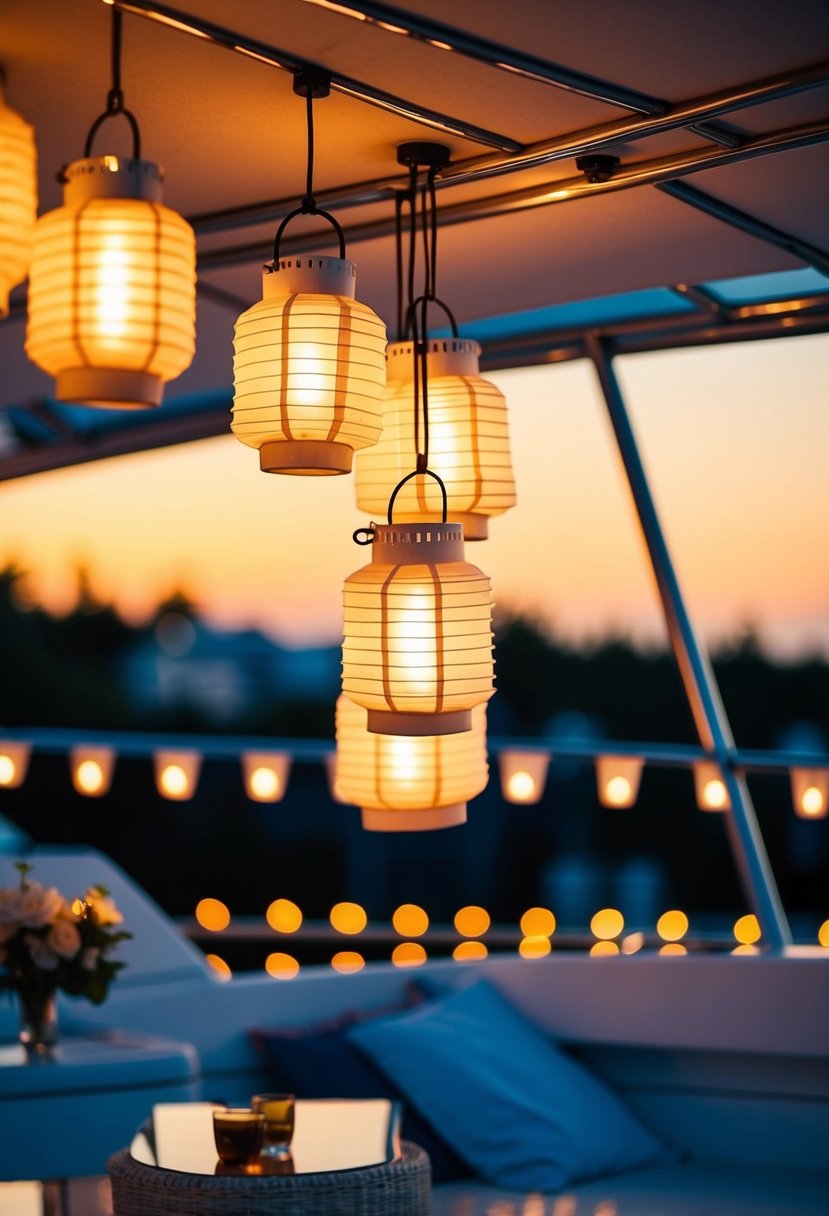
{"type": "Point", "coordinates": [311, 275]}
{"type": "Point", "coordinates": [444, 357]}
{"type": "Point", "coordinates": [407, 544]}
{"type": "Point", "coordinates": [110, 177]}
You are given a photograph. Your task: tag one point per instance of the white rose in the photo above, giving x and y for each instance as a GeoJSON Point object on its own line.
{"type": "Point", "coordinates": [64, 939]}
{"type": "Point", "coordinates": [38, 906]}
{"type": "Point", "coordinates": [42, 956]}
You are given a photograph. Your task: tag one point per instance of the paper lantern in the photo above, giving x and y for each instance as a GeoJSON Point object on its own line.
{"type": "Point", "coordinates": [810, 792]}
{"type": "Point", "coordinates": [309, 369]}
{"type": "Point", "coordinates": [14, 763]}
{"type": "Point", "coordinates": [18, 199]}
{"type": "Point", "coordinates": [709, 787]}
{"type": "Point", "coordinates": [408, 783]}
{"type": "Point", "coordinates": [266, 775]}
{"type": "Point", "coordinates": [618, 779]}
{"type": "Point", "coordinates": [417, 652]}
{"type": "Point", "coordinates": [468, 441]}
{"type": "Point", "coordinates": [112, 291]}
{"type": "Point", "coordinates": [177, 774]}
{"type": "Point", "coordinates": [91, 769]}
{"type": "Point", "coordinates": [523, 775]}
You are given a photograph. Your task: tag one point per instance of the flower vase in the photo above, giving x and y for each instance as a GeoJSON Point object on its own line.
{"type": "Point", "coordinates": [38, 1023]}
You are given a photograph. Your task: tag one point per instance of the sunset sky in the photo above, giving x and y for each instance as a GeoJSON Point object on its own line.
{"type": "Point", "coordinates": [735, 438]}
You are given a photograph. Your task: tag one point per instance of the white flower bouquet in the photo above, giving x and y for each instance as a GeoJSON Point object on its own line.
{"type": "Point", "coordinates": [48, 943]}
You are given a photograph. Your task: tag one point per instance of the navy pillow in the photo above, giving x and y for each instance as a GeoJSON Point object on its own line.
{"type": "Point", "coordinates": [319, 1062]}
{"type": "Point", "coordinates": [519, 1111]}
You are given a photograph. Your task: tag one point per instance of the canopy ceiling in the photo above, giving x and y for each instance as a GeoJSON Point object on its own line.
{"type": "Point", "coordinates": [521, 227]}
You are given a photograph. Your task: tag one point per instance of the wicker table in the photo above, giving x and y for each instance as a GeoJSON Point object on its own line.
{"type": "Point", "coordinates": [386, 1180]}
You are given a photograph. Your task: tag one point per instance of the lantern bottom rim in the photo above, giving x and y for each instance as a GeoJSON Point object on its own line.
{"type": "Point", "coordinates": [384, 722]}
{"type": "Point", "coordinates": [429, 820]}
{"type": "Point", "coordinates": [305, 457]}
{"type": "Point", "coordinates": [109, 388]}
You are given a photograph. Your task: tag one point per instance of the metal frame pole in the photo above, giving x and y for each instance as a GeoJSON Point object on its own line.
{"type": "Point", "coordinates": [698, 678]}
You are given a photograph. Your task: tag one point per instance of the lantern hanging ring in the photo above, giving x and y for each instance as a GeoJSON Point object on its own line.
{"type": "Point", "coordinates": [309, 82]}
{"type": "Point", "coordinates": [115, 96]}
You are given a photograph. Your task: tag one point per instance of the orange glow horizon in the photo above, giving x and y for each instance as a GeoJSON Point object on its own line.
{"type": "Point", "coordinates": [732, 438]}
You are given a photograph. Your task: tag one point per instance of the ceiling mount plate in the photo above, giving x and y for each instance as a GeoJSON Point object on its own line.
{"type": "Point", "coordinates": [597, 168]}
{"type": "Point", "coordinates": [422, 155]}
{"type": "Point", "coordinates": [313, 80]}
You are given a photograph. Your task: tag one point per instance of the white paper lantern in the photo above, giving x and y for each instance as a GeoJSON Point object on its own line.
{"type": "Point", "coordinates": [309, 369]}
{"type": "Point", "coordinates": [408, 783]}
{"type": "Point", "coordinates": [468, 441]}
{"type": "Point", "coordinates": [18, 199]}
{"type": "Point", "coordinates": [113, 287]}
{"type": "Point", "coordinates": [417, 650]}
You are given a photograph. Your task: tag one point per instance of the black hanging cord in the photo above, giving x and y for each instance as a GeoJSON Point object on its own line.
{"type": "Point", "coordinates": [115, 96]}
{"type": "Point", "coordinates": [309, 83]}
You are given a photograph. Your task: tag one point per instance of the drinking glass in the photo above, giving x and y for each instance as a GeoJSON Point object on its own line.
{"type": "Point", "coordinates": [238, 1134]}
{"type": "Point", "coordinates": [277, 1111]}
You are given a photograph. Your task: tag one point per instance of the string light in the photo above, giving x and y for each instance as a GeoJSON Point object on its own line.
{"type": "Point", "coordinates": [177, 774]}
{"type": "Point", "coordinates": [265, 775]}
{"type": "Point", "coordinates": [14, 763]}
{"type": "Point", "coordinates": [711, 790]}
{"type": "Point", "coordinates": [523, 775]}
{"type": "Point", "coordinates": [91, 769]}
{"type": "Point", "coordinates": [617, 780]}
{"type": "Point", "coordinates": [810, 792]}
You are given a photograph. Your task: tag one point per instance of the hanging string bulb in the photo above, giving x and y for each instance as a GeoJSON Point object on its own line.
{"type": "Point", "coordinates": [18, 198]}
{"type": "Point", "coordinates": [309, 364]}
{"type": "Point", "coordinates": [408, 784]}
{"type": "Point", "coordinates": [112, 291]}
{"type": "Point", "coordinates": [467, 414]}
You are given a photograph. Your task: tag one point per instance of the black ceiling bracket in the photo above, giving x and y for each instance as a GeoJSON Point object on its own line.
{"type": "Point", "coordinates": [313, 80]}
{"type": "Point", "coordinates": [423, 155]}
{"type": "Point", "coordinates": [597, 168]}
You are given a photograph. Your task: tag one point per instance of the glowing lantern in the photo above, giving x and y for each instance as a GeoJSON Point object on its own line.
{"type": "Point", "coordinates": [14, 762]}
{"type": "Point", "coordinates": [91, 769]}
{"type": "Point", "coordinates": [523, 775]}
{"type": "Point", "coordinates": [18, 199]}
{"type": "Point", "coordinates": [810, 792]}
{"type": "Point", "coordinates": [617, 779]}
{"type": "Point", "coordinates": [266, 775]}
{"type": "Point", "coordinates": [112, 290]}
{"type": "Point", "coordinates": [177, 774]}
{"type": "Point", "coordinates": [468, 441]}
{"type": "Point", "coordinates": [406, 783]}
{"type": "Point", "coordinates": [309, 369]}
{"type": "Point", "coordinates": [417, 652]}
{"type": "Point", "coordinates": [711, 790]}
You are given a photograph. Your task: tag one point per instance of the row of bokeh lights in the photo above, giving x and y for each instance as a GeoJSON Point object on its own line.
{"type": "Point", "coordinates": [523, 776]}
{"type": "Point", "coordinates": [471, 923]}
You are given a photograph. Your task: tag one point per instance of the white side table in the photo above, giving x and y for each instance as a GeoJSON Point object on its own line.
{"type": "Point", "coordinates": [62, 1119]}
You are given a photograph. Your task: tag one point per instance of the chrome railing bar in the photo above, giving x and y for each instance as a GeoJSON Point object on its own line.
{"type": "Point", "coordinates": [710, 719]}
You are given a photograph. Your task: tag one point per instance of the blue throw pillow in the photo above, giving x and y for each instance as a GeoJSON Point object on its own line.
{"type": "Point", "coordinates": [515, 1108]}
{"type": "Point", "coordinates": [319, 1062]}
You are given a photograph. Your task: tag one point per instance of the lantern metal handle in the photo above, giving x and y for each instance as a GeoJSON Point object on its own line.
{"type": "Point", "coordinates": [308, 207]}
{"type": "Point", "coordinates": [113, 113]}
{"type": "Point", "coordinates": [426, 300]}
{"type": "Point", "coordinates": [115, 96]}
{"type": "Point", "coordinates": [417, 473]}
